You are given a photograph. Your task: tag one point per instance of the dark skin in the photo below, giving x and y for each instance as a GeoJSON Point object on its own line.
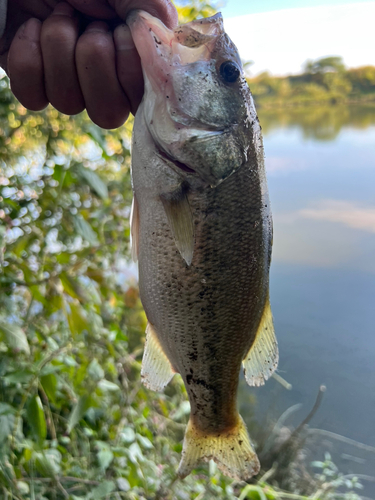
{"type": "Point", "coordinates": [77, 55]}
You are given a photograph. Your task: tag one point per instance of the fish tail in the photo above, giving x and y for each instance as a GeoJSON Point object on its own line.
{"type": "Point", "coordinates": [230, 449]}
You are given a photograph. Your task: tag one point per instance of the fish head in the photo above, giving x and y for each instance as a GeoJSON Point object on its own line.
{"type": "Point", "coordinates": [197, 104]}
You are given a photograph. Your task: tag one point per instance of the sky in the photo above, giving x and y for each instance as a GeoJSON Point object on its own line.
{"type": "Point", "coordinates": [280, 35]}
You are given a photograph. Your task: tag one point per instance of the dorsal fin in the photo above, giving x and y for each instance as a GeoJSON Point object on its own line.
{"type": "Point", "coordinates": [180, 218]}
{"type": "Point", "coordinates": [156, 370]}
{"type": "Point", "coordinates": [263, 356]}
{"type": "Point", "coordinates": [134, 229]}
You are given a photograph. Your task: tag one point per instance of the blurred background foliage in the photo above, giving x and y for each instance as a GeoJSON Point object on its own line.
{"type": "Point", "coordinates": [323, 81]}
{"type": "Point", "coordinates": [75, 421]}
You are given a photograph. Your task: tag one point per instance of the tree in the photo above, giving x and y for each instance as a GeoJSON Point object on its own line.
{"type": "Point", "coordinates": [324, 65]}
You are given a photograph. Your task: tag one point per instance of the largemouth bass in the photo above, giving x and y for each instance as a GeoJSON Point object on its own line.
{"type": "Point", "coordinates": [202, 232]}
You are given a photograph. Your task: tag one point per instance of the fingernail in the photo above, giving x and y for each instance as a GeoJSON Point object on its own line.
{"type": "Point", "coordinates": [123, 38]}
{"type": "Point", "coordinates": [30, 29]}
{"type": "Point", "coordinates": [64, 9]}
{"type": "Point", "coordinates": [97, 26]}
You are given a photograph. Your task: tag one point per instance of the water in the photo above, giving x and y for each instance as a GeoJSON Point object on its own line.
{"type": "Point", "coordinates": [321, 176]}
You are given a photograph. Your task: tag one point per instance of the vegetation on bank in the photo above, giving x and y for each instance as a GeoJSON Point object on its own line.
{"type": "Point", "coordinates": [75, 421]}
{"type": "Point", "coordinates": [324, 81]}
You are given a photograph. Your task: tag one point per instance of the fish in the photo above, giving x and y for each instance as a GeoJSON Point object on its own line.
{"type": "Point", "coordinates": [201, 230]}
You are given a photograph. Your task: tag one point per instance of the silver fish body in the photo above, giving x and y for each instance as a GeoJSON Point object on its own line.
{"type": "Point", "coordinates": [202, 232]}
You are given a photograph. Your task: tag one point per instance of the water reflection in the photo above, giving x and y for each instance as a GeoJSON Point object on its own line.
{"type": "Point", "coordinates": [321, 175]}
{"type": "Point", "coordinates": [321, 123]}
{"type": "Point", "coordinates": [322, 192]}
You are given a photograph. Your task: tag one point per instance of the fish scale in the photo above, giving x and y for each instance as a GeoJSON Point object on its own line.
{"type": "Point", "coordinates": [202, 231]}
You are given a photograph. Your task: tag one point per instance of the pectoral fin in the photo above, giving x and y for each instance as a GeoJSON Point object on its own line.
{"type": "Point", "coordinates": [180, 218]}
{"type": "Point", "coordinates": [134, 229]}
{"type": "Point", "coordinates": [263, 356]}
{"type": "Point", "coordinates": [156, 370]}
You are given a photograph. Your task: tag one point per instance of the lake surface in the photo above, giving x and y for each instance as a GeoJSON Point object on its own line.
{"type": "Point", "coordinates": [321, 177]}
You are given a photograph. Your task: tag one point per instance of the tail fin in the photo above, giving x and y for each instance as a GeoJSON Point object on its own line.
{"type": "Point", "coordinates": [231, 450]}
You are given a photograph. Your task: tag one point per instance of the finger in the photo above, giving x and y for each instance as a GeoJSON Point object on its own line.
{"type": "Point", "coordinates": [25, 66]}
{"type": "Point", "coordinates": [58, 42]}
{"type": "Point", "coordinates": [106, 102]}
{"type": "Point", "coordinates": [129, 69]}
{"type": "Point", "coordinates": [163, 9]}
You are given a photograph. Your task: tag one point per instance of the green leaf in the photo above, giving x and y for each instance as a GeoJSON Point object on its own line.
{"type": "Point", "coordinates": [128, 435]}
{"type": "Point", "coordinates": [23, 487]}
{"type": "Point", "coordinates": [47, 463]}
{"type": "Point", "coordinates": [63, 258]}
{"type": "Point", "coordinates": [101, 491]}
{"type": "Point", "coordinates": [69, 285]}
{"type": "Point", "coordinates": [49, 384]}
{"type": "Point", "coordinates": [36, 420]}
{"type": "Point", "coordinates": [14, 337]}
{"type": "Point", "coordinates": [19, 376]}
{"type": "Point", "coordinates": [144, 442]}
{"type": "Point", "coordinates": [97, 135]}
{"type": "Point", "coordinates": [6, 408]}
{"type": "Point", "coordinates": [55, 303]}
{"type": "Point", "coordinates": [105, 457]}
{"type": "Point", "coordinates": [77, 318]}
{"type": "Point", "coordinates": [135, 453]}
{"type": "Point", "coordinates": [37, 294]}
{"type": "Point", "coordinates": [123, 484]}
{"type": "Point", "coordinates": [78, 412]}
{"type": "Point", "coordinates": [95, 371]}
{"type": "Point", "coordinates": [182, 410]}
{"type": "Point", "coordinates": [6, 427]}
{"type": "Point", "coordinates": [84, 229]}
{"type": "Point", "coordinates": [94, 181]}
{"type": "Point", "coordinates": [106, 385]}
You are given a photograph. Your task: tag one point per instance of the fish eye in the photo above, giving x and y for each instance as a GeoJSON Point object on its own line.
{"type": "Point", "coordinates": [229, 71]}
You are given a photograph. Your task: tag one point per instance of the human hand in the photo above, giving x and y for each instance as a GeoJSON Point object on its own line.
{"type": "Point", "coordinates": [49, 59]}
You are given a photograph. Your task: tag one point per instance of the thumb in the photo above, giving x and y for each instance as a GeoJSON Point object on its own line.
{"type": "Point", "coordinates": [162, 9]}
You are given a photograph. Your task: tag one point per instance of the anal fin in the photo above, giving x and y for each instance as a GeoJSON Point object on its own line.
{"type": "Point", "coordinates": [134, 229]}
{"type": "Point", "coordinates": [263, 356]}
{"type": "Point", "coordinates": [180, 218]}
{"type": "Point", "coordinates": [156, 370]}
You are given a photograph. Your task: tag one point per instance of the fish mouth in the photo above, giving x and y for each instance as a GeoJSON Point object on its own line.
{"type": "Point", "coordinates": [161, 48]}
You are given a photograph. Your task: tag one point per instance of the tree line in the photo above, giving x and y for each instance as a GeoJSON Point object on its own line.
{"type": "Point", "coordinates": [323, 81]}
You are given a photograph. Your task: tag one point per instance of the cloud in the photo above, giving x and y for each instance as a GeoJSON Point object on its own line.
{"type": "Point", "coordinates": [282, 164]}
{"type": "Point", "coordinates": [343, 212]}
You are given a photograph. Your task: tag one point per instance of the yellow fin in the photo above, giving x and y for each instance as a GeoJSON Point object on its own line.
{"type": "Point", "coordinates": [231, 450]}
{"type": "Point", "coordinates": [134, 229]}
{"type": "Point", "coordinates": [263, 356]}
{"type": "Point", "coordinates": [156, 369]}
{"type": "Point", "coordinates": [180, 218]}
